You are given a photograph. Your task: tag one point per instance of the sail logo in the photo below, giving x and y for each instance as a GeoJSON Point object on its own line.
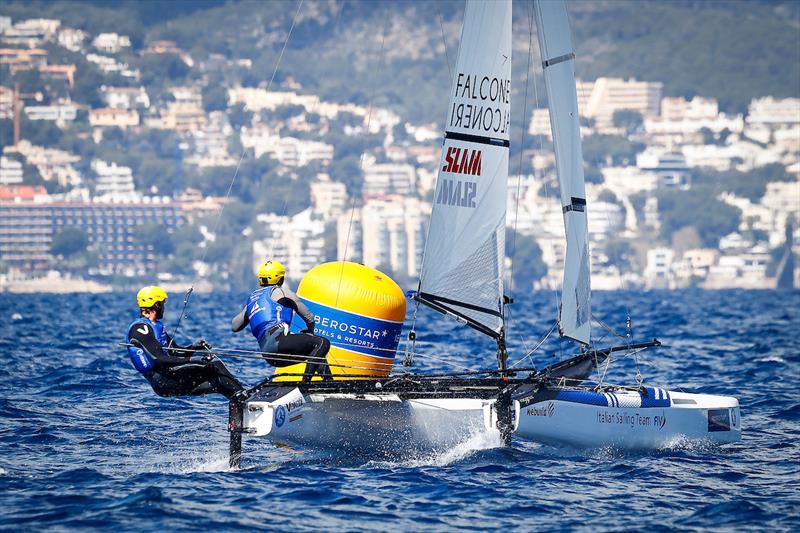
{"type": "Point", "coordinates": [456, 192]}
{"type": "Point", "coordinates": [462, 161]}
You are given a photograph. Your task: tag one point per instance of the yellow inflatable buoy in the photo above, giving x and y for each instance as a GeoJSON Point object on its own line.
{"type": "Point", "coordinates": [360, 310]}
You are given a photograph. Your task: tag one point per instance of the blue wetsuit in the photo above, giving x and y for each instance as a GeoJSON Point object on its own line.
{"type": "Point", "coordinates": [269, 312]}
{"type": "Point", "coordinates": [170, 369]}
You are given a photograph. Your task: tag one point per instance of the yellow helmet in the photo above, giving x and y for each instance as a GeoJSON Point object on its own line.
{"type": "Point", "coordinates": [150, 295]}
{"type": "Point", "coordinates": [271, 273]}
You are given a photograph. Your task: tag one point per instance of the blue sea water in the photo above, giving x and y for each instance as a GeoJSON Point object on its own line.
{"type": "Point", "coordinates": [85, 444]}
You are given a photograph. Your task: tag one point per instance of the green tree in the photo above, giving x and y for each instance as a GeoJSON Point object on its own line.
{"type": "Point", "coordinates": [238, 116]}
{"type": "Point", "coordinates": [526, 258]}
{"type": "Point", "coordinates": [69, 242]}
{"type": "Point", "coordinates": [215, 96]}
{"type": "Point", "coordinates": [620, 254]}
{"type": "Point", "coordinates": [155, 235]}
{"type": "Point", "coordinates": [608, 196]}
{"type": "Point", "coordinates": [627, 119]}
{"type": "Point", "coordinates": [159, 69]}
{"type": "Point", "coordinates": [712, 217]}
{"type": "Point", "coordinates": [602, 150]}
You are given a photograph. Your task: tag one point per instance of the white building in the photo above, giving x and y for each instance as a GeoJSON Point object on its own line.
{"type": "Point", "coordinates": [658, 272]}
{"type": "Point", "coordinates": [328, 197]}
{"type": "Point", "coordinates": [381, 179]}
{"type": "Point", "coordinates": [106, 64]}
{"type": "Point", "coordinates": [210, 143]}
{"type": "Point", "coordinates": [739, 155]}
{"type": "Point", "coordinates": [297, 241]}
{"type": "Point", "coordinates": [57, 113]}
{"type": "Point", "coordinates": [31, 32]}
{"type": "Point", "coordinates": [10, 171]}
{"type": "Point", "coordinates": [682, 120]}
{"type": "Point", "coordinates": [113, 182]}
{"type": "Point", "coordinates": [386, 233]}
{"type": "Point", "coordinates": [601, 98]}
{"type": "Point", "coordinates": [671, 168]}
{"type": "Point", "coordinates": [188, 96]}
{"type": "Point", "coordinates": [294, 152]}
{"type": "Point", "coordinates": [604, 219]}
{"type": "Point", "coordinates": [783, 196]}
{"type": "Point", "coordinates": [111, 43]}
{"type": "Point", "coordinates": [72, 39]}
{"type": "Point", "coordinates": [746, 270]}
{"type": "Point", "coordinates": [125, 97]}
{"type": "Point", "coordinates": [773, 111]}
{"type": "Point", "coordinates": [52, 164]}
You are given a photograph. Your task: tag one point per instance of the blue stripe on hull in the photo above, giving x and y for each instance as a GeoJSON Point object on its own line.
{"type": "Point", "coordinates": [653, 398]}
{"type": "Point", "coordinates": [656, 398]}
{"type": "Point", "coordinates": [582, 396]}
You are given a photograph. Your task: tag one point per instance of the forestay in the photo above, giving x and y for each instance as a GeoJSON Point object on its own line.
{"type": "Point", "coordinates": [463, 266]}
{"type": "Point", "coordinates": [558, 58]}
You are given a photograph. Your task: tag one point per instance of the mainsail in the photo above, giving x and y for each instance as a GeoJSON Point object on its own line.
{"type": "Point", "coordinates": [558, 56]}
{"type": "Point", "coordinates": [462, 273]}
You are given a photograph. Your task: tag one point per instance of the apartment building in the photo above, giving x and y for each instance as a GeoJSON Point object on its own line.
{"type": "Point", "coordinates": [387, 233]}
{"type": "Point", "coordinates": [601, 98]}
{"type": "Point", "coordinates": [27, 229]}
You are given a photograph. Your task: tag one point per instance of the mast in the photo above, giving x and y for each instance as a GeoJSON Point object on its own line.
{"type": "Point", "coordinates": [462, 271]}
{"type": "Point", "coordinates": [558, 57]}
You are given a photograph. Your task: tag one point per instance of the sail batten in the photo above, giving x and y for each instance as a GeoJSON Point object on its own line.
{"type": "Point", "coordinates": [555, 45]}
{"type": "Point", "coordinates": [462, 271]}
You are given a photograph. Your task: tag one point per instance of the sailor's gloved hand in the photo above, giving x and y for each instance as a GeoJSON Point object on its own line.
{"type": "Point", "coordinates": [201, 359]}
{"type": "Point", "coordinates": [199, 346]}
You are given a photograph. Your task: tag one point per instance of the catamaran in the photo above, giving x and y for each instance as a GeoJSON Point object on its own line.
{"type": "Point", "coordinates": [462, 277]}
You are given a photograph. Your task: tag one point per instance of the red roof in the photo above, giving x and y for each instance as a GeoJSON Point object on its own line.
{"type": "Point", "coordinates": [23, 192]}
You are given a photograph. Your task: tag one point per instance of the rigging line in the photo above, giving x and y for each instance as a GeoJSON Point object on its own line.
{"type": "Point", "coordinates": [608, 328]}
{"type": "Point", "coordinates": [281, 357]}
{"type": "Point", "coordinates": [538, 345]}
{"type": "Point", "coordinates": [519, 169]}
{"type": "Point", "coordinates": [444, 42]}
{"type": "Point", "coordinates": [235, 174]}
{"type": "Point", "coordinates": [337, 344]}
{"type": "Point", "coordinates": [382, 59]}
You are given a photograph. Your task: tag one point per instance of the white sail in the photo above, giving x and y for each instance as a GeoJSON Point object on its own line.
{"type": "Point", "coordinates": [558, 58]}
{"type": "Point", "coordinates": [462, 271]}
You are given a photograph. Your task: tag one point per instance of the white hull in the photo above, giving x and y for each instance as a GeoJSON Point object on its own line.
{"type": "Point", "coordinates": [581, 418]}
{"type": "Point", "coordinates": [627, 420]}
{"type": "Point", "coordinates": [380, 422]}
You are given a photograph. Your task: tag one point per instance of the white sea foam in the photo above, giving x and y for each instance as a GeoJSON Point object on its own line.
{"type": "Point", "coordinates": [771, 359]}
{"type": "Point", "coordinates": [473, 442]}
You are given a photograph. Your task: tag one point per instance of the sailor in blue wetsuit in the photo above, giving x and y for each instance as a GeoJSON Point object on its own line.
{"type": "Point", "coordinates": [170, 369]}
{"type": "Point", "coordinates": [269, 311]}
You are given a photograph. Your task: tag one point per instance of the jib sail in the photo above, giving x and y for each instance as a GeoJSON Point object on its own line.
{"type": "Point", "coordinates": [558, 58]}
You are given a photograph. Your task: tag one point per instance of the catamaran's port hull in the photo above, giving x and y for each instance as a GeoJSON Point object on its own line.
{"type": "Point", "coordinates": [627, 419]}
{"type": "Point", "coordinates": [382, 423]}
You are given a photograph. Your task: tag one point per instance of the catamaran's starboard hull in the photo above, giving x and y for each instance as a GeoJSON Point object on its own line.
{"type": "Point", "coordinates": [381, 423]}
{"type": "Point", "coordinates": [634, 420]}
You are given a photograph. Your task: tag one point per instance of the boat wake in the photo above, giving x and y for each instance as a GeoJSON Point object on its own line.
{"type": "Point", "coordinates": [474, 442]}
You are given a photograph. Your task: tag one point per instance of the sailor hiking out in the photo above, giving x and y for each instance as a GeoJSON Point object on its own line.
{"type": "Point", "coordinates": [269, 311]}
{"type": "Point", "coordinates": [170, 369]}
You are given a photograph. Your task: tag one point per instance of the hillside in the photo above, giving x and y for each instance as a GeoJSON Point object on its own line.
{"type": "Point", "coordinates": [397, 54]}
